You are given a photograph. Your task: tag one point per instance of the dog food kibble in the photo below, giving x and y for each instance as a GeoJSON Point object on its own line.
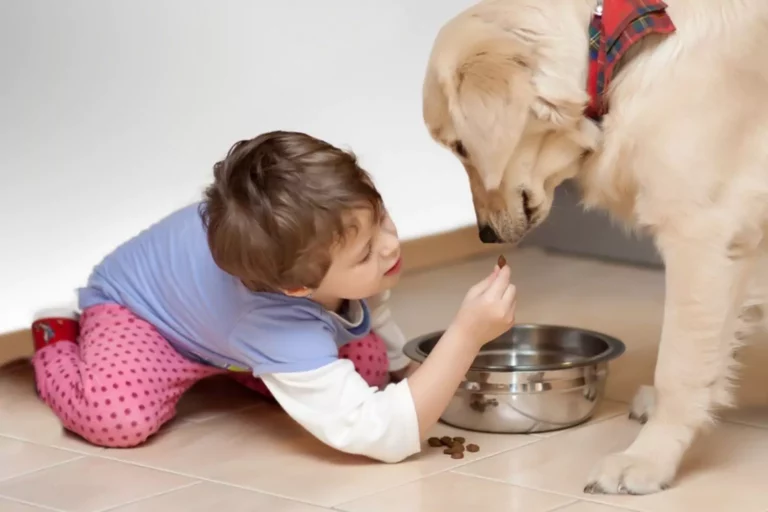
{"type": "Point", "coordinates": [502, 261]}
{"type": "Point", "coordinates": [453, 446]}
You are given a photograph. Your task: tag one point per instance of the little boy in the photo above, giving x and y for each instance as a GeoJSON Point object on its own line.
{"type": "Point", "coordinates": [267, 280]}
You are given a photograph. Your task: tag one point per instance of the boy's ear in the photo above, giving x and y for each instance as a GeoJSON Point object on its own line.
{"type": "Point", "coordinates": [299, 292]}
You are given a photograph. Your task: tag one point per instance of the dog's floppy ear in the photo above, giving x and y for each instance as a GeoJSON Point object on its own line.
{"type": "Point", "coordinates": [558, 101]}
{"type": "Point", "coordinates": [489, 96]}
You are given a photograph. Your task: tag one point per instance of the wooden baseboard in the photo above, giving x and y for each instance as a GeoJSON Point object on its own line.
{"type": "Point", "coordinates": [418, 254]}
{"type": "Point", "coordinates": [15, 345]}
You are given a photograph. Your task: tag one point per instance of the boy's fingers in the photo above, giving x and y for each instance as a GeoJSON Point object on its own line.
{"type": "Point", "coordinates": [500, 283]}
{"type": "Point", "coordinates": [509, 296]}
{"type": "Point", "coordinates": [510, 316]}
{"type": "Point", "coordinates": [483, 285]}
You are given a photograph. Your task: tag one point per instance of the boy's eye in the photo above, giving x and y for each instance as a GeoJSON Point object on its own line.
{"type": "Point", "coordinates": [368, 254]}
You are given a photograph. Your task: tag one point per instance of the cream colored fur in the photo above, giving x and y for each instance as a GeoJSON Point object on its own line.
{"type": "Point", "coordinates": [683, 155]}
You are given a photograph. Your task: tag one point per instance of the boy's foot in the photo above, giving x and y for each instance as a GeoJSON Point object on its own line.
{"type": "Point", "coordinates": [53, 326]}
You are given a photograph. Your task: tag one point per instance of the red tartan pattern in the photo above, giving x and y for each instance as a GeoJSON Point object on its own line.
{"type": "Point", "coordinates": [622, 24]}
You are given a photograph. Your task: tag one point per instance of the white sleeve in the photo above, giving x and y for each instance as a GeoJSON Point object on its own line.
{"type": "Point", "coordinates": [338, 407]}
{"type": "Point", "coordinates": [385, 327]}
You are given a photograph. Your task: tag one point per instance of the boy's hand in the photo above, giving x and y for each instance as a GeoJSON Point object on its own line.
{"type": "Point", "coordinates": [488, 309]}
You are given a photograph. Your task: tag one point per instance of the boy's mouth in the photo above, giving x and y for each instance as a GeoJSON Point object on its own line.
{"type": "Point", "coordinates": [394, 269]}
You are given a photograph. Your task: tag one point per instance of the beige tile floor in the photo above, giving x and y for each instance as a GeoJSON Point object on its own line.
{"type": "Point", "coordinates": [230, 451]}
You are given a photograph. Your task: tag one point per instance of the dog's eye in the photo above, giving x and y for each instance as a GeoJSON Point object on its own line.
{"type": "Point", "coordinates": [460, 150]}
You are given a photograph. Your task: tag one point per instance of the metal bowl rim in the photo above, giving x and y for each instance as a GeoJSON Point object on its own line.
{"type": "Point", "coordinates": [615, 349]}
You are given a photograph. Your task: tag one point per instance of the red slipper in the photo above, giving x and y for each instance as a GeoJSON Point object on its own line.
{"type": "Point", "coordinates": [49, 329]}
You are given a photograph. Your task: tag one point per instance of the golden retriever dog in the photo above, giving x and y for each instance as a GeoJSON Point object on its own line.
{"type": "Point", "coordinates": [682, 153]}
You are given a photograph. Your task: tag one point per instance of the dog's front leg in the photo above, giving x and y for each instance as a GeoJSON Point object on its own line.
{"type": "Point", "coordinates": [704, 287]}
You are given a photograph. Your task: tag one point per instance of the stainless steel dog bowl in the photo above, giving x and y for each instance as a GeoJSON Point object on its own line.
{"type": "Point", "coordinates": [533, 378]}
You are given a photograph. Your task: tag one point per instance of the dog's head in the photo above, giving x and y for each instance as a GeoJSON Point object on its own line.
{"type": "Point", "coordinates": [510, 113]}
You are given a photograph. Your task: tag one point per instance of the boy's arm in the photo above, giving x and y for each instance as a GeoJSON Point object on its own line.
{"type": "Point", "coordinates": [338, 407]}
{"type": "Point", "coordinates": [384, 325]}
{"type": "Point", "coordinates": [297, 359]}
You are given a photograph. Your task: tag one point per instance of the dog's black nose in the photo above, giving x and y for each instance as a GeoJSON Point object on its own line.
{"type": "Point", "coordinates": [488, 235]}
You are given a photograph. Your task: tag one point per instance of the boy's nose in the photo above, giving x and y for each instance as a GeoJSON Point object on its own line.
{"type": "Point", "coordinates": [391, 245]}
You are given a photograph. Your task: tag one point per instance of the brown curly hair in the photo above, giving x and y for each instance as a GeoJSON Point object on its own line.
{"type": "Point", "coordinates": [278, 204]}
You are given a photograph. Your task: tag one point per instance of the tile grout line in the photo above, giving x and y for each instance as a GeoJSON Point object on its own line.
{"type": "Point", "coordinates": [562, 507]}
{"type": "Point", "coordinates": [369, 494]}
{"type": "Point", "coordinates": [208, 480]}
{"type": "Point", "coordinates": [438, 472]}
{"type": "Point", "coordinates": [456, 469]}
{"type": "Point", "coordinates": [586, 424]}
{"type": "Point", "coordinates": [31, 504]}
{"type": "Point", "coordinates": [289, 498]}
{"type": "Point", "coordinates": [38, 470]}
{"type": "Point", "coordinates": [155, 495]}
{"type": "Point", "coordinates": [99, 449]}
{"type": "Point", "coordinates": [100, 455]}
{"type": "Point", "coordinates": [550, 491]}
{"type": "Point", "coordinates": [533, 441]}
{"type": "Point", "coordinates": [40, 443]}
{"type": "Point", "coordinates": [423, 476]}
{"type": "Point", "coordinates": [261, 491]}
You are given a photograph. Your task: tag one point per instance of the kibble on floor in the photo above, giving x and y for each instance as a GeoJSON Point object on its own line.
{"type": "Point", "coordinates": [453, 446]}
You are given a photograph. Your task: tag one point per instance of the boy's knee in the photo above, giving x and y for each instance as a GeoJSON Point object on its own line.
{"type": "Point", "coordinates": [121, 435]}
{"type": "Point", "coordinates": [113, 430]}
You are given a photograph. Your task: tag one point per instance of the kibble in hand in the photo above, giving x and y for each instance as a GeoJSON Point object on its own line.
{"type": "Point", "coordinates": [502, 261]}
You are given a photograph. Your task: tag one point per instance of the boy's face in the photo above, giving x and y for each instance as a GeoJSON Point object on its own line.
{"type": "Point", "coordinates": [367, 263]}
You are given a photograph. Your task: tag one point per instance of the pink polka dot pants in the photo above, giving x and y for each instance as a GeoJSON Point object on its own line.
{"type": "Point", "coordinates": [369, 355]}
{"type": "Point", "coordinates": [120, 382]}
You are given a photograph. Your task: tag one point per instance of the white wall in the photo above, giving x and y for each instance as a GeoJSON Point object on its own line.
{"type": "Point", "coordinates": [113, 111]}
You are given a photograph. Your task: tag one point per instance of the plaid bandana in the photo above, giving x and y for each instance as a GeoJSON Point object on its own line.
{"type": "Point", "coordinates": [613, 30]}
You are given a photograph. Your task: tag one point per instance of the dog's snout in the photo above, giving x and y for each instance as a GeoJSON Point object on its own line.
{"type": "Point", "coordinates": [488, 235]}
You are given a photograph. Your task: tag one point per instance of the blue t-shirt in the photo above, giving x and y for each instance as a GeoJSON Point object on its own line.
{"type": "Point", "coordinates": [166, 275]}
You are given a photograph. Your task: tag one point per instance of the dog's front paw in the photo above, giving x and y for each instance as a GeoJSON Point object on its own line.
{"type": "Point", "coordinates": [643, 404]}
{"type": "Point", "coordinates": [623, 473]}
